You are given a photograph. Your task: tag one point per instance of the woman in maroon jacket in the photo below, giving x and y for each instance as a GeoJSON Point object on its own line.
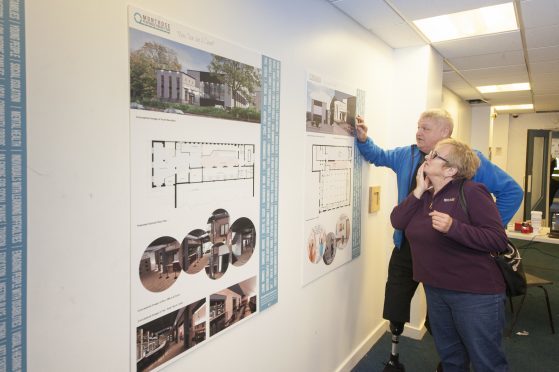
{"type": "Point", "coordinates": [451, 256]}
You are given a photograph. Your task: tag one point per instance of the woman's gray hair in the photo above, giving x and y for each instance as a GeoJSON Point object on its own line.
{"type": "Point", "coordinates": [461, 157]}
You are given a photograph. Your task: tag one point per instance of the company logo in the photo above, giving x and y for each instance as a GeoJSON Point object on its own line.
{"type": "Point", "coordinates": [446, 200]}
{"type": "Point", "coordinates": [152, 22]}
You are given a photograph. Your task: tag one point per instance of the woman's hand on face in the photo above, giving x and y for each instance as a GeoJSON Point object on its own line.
{"type": "Point", "coordinates": [423, 184]}
{"type": "Point", "coordinates": [441, 221]}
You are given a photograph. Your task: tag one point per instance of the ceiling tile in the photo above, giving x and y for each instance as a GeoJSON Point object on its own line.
{"type": "Point", "coordinates": [543, 54]}
{"type": "Point", "coordinates": [546, 102]}
{"type": "Point", "coordinates": [545, 67]}
{"type": "Point", "coordinates": [544, 91]}
{"type": "Point", "coordinates": [546, 77]}
{"type": "Point", "coordinates": [401, 36]}
{"type": "Point", "coordinates": [465, 92]}
{"type": "Point", "coordinates": [369, 13]}
{"type": "Point", "coordinates": [486, 44]}
{"type": "Point", "coordinates": [509, 98]}
{"type": "Point", "coordinates": [488, 60]}
{"type": "Point", "coordinates": [496, 75]}
{"type": "Point", "coordinates": [381, 20]}
{"type": "Point", "coordinates": [499, 80]}
{"type": "Point", "coordinates": [455, 83]}
{"type": "Point", "coordinates": [451, 77]}
{"type": "Point", "coordinates": [542, 36]}
{"type": "Point", "coordinates": [418, 9]}
{"type": "Point", "coordinates": [539, 13]}
{"type": "Point", "coordinates": [545, 83]}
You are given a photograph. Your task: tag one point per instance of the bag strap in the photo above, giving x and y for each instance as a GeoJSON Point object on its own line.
{"type": "Point", "coordinates": [411, 166]}
{"type": "Point", "coordinates": [412, 169]}
{"type": "Point", "coordinates": [462, 197]}
{"type": "Point", "coordinates": [512, 254]}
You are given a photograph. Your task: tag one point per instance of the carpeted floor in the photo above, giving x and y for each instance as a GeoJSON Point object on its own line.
{"type": "Point", "coordinates": [532, 347]}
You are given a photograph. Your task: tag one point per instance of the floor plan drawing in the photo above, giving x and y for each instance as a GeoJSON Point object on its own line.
{"type": "Point", "coordinates": [331, 177]}
{"type": "Point", "coordinates": [334, 164]}
{"type": "Point", "coordinates": [176, 163]}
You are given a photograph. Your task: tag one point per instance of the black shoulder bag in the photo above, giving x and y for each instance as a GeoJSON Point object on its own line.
{"type": "Point", "coordinates": [509, 261]}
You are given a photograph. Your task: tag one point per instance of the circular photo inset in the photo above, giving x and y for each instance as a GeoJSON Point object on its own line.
{"type": "Point", "coordinates": [195, 251]}
{"type": "Point", "coordinates": [243, 240]}
{"type": "Point", "coordinates": [330, 251]}
{"type": "Point", "coordinates": [160, 264]}
{"type": "Point", "coordinates": [316, 244]}
{"type": "Point", "coordinates": [218, 260]}
{"type": "Point", "coordinates": [218, 226]}
{"type": "Point", "coordinates": [342, 231]}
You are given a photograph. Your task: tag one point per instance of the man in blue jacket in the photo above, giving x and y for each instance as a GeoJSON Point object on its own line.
{"type": "Point", "coordinates": [433, 125]}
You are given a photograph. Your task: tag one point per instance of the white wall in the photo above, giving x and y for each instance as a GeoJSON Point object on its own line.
{"type": "Point", "coordinates": [418, 86]}
{"type": "Point", "coordinates": [499, 141]}
{"type": "Point", "coordinates": [434, 78]}
{"type": "Point", "coordinates": [481, 128]}
{"type": "Point", "coordinates": [517, 137]}
{"type": "Point", "coordinates": [78, 188]}
{"type": "Point", "coordinates": [461, 114]}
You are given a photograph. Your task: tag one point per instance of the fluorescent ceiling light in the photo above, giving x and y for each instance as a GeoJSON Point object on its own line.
{"type": "Point", "coordinates": [475, 22]}
{"type": "Point", "coordinates": [503, 88]}
{"type": "Point", "coordinates": [514, 107]}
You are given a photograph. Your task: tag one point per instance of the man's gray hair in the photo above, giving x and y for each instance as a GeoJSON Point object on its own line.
{"type": "Point", "coordinates": [442, 117]}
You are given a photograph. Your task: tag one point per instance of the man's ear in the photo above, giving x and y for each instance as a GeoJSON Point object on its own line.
{"type": "Point", "coordinates": [446, 131]}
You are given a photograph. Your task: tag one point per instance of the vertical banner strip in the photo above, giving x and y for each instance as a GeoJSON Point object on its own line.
{"type": "Point", "coordinates": [13, 201]}
{"type": "Point", "coordinates": [357, 188]}
{"type": "Point", "coordinates": [269, 182]}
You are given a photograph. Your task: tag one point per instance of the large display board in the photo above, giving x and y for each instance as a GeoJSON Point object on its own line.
{"type": "Point", "coordinates": [332, 178]}
{"type": "Point", "coordinates": [204, 120]}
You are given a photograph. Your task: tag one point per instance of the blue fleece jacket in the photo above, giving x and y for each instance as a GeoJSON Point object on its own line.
{"type": "Point", "coordinates": [404, 160]}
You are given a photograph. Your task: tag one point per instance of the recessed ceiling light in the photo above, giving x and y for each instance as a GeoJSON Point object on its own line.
{"type": "Point", "coordinates": [475, 22]}
{"type": "Point", "coordinates": [514, 107]}
{"type": "Point", "coordinates": [504, 88]}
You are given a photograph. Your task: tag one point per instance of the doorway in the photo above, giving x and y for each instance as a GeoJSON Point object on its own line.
{"type": "Point", "coordinates": [542, 177]}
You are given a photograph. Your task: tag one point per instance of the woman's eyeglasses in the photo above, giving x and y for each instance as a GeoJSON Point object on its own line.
{"type": "Point", "coordinates": [433, 155]}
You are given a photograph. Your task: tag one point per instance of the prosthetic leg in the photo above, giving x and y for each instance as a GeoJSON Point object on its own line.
{"type": "Point", "coordinates": [394, 365]}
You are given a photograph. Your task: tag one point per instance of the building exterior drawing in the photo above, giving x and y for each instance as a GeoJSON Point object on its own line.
{"type": "Point", "coordinates": [177, 86]}
{"type": "Point", "coordinates": [200, 88]}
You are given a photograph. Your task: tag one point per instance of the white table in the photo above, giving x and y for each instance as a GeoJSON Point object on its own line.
{"type": "Point", "coordinates": [540, 238]}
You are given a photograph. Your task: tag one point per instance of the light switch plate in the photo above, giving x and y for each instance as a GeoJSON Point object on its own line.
{"type": "Point", "coordinates": [374, 199]}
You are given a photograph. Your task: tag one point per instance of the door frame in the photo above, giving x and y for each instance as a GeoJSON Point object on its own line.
{"type": "Point", "coordinates": [532, 134]}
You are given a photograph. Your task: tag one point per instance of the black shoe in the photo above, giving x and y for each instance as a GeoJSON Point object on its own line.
{"type": "Point", "coordinates": [389, 367]}
{"type": "Point", "coordinates": [394, 365]}
{"type": "Point", "coordinates": [439, 368]}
